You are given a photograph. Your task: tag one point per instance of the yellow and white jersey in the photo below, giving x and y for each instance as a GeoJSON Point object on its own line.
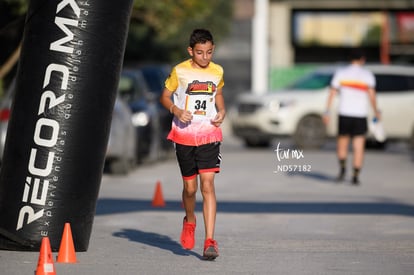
{"type": "Point", "coordinates": [195, 90]}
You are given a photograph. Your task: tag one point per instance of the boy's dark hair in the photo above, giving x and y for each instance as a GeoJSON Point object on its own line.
{"type": "Point", "coordinates": [356, 54]}
{"type": "Point", "coordinates": [200, 36]}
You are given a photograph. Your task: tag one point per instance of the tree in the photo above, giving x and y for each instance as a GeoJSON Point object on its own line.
{"type": "Point", "coordinates": [159, 30]}
{"type": "Point", "coordinates": [11, 29]}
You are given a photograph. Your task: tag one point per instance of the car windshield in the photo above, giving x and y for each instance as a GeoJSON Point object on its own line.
{"type": "Point", "coordinates": [155, 77]}
{"type": "Point", "coordinates": [313, 81]}
{"type": "Point", "coordinates": [126, 88]}
{"type": "Point", "coordinates": [125, 85]}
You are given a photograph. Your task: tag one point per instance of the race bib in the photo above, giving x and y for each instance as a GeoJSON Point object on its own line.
{"type": "Point", "coordinates": [199, 104]}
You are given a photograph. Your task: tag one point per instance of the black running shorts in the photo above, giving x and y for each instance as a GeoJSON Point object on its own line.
{"type": "Point", "coordinates": [352, 126]}
{"type": "Point", "coordinates": [195, 160]}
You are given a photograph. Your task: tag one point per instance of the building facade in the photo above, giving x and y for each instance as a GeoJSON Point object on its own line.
{"type": "Point", "coordinates": [301, 34]}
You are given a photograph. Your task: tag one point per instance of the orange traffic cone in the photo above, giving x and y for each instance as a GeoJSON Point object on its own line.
{"type": "Point", "coordinates": [158, 200]}
{"type": "Point", "coordinates": [45, 264]}
{"type": "Point", "coordinates": [67, 249]}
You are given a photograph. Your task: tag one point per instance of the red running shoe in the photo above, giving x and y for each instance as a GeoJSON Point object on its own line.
{"type": "Point", "coordinates": [187, 234]}
{"type": "Point", "coordinates": [210, 250]}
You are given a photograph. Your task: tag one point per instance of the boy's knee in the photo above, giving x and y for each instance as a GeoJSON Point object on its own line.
{"type": "Point", "coordinates": [190, 191]}
{"type": "Point", "coordinates": [207, 187]}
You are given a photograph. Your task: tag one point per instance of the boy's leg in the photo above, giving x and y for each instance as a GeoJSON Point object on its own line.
{"type": "Point", "coordinates": [186, 161]}
{"type": "Point", "coordinates": [189, 198]}
{"type": "Point", "coordinates": [210, 251]}
{"type": "Point", "coordinates": [208, 160]}
{"type": "Point", "coordinates": [342, 153]}
{"type": "Point", "coordinates": [209, 203]}
{"type": "Point", "coordinates": [358, 144]}
{"type": "Point", "coordinates": [342, 146]}
{"type": "Point", "coordinates": [189, 223]}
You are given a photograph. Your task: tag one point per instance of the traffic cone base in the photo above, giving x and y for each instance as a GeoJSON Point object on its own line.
{"type": "Point", "coordinates": [158, 200]}
{"type": "Point", "coordinates": [67, 249]}
{"type": "Point", "coordinates": [45, 265]}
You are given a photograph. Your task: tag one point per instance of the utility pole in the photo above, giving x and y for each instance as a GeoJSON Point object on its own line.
{"type": "Point", "coordinates": [260, 47]}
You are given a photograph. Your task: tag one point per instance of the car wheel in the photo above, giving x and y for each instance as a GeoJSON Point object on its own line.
{"type": "Point", "coordinates": [373, 144]}
{"type": "Point", "coordinates": [254, 142]}
{"type": "Point", "coordinates": [310, 132]}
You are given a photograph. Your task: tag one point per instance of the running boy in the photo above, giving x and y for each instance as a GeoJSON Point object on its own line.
{"type": "Point", "coordinates": [199, 109]}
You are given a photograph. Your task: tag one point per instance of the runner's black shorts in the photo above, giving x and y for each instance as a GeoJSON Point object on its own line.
{"type": "Point", "coordinates": [194, 160]}
{"type": "Point", "coordinates": [352, 126]}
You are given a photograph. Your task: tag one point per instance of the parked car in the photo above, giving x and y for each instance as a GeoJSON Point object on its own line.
{"type": "Point", "coordinates": [120, 155]}
{"type": "Point", "coordinates": [141, 88]}
{"type": "Point", "coordinates": [155, 76]}
{"type": "Point", "coordinates": [297, 110]}
{"type": "Point", "coordinates": [5, 105]}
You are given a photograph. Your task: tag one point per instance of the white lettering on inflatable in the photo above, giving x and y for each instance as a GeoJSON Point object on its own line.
{"type": "Point", "coordinates": [53, 101]}
{"type": "Point", "coordinates": [43, 194]}
{"type": "Point", "coordinates": [61, 23]}
{"type": "Point", "coordinates": [42, 172]}
{"type": "Point", "coordinates": [37, 185]}
{"type": "Point", "coordinates": [43, 123]}
{"type": "Point", "coordinates": [26, 189]}
{"type": "Point", "coordinates": [72, 4]}
{"type": "Point", "coordinates": [57, 68]}
{"type": "Point", "coordinates": [31, 216]}
{"type": "Point", "coordinates": [27, 210]}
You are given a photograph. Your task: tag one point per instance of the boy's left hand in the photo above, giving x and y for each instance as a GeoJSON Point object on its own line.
{"type": "Point", "coordinates": [218, 119]}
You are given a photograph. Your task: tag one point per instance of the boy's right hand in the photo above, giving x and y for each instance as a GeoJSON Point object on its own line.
{"type": "Point", "coordinates": [184, 116]}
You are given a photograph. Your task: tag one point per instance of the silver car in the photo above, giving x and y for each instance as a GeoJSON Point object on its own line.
{"type": "Point", "coordinates": [120, 155]}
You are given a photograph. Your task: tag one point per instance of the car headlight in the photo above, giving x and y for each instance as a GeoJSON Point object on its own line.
{"type": "Point", "coordinates": [286, 103]}
{"type": "Point", "coordinates": [274, 106]}
{"type": "Point", "coordinates": [140, 119]}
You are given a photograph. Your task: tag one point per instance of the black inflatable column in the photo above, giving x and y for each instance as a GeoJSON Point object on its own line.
{"type": "Point", "coordinates": [61, 116]}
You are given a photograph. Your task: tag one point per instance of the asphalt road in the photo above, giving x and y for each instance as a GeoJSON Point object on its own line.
{"type": "Point", "coordinates": [270, 220]}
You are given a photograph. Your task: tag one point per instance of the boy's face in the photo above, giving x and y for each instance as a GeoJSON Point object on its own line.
{"type": "Point", "coordinates": [201, 54]}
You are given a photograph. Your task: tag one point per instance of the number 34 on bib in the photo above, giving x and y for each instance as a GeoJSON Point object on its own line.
{"type": "Point", "coordinates": [199, 104]}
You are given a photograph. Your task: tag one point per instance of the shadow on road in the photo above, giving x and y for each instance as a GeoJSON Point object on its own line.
{"type": "Point", "coordinates": [319, 176]}
{"type": "Point", "coordinates": [108, 206]}
{"type": "Point", "coordinates": [156, 240]}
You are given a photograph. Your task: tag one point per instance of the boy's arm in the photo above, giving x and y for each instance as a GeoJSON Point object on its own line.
{"type": "Point", "coordinates": [221, 108]}
{"type": "Point", "coordinates": [373, 100]}
{"type": "Point", "coordinates": [165, 99]}
{"type": "Point", "coordinates": [326, 116]}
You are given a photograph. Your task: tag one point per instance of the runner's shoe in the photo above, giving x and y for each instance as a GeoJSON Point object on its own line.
{"type": "Point", "coordinates": [210, 250]}
{"type": "Point", "coordinates": [341, 176]}
{"type": "Point", "coordinates": [187, 234]}
{"type": "Point", "coordinates": [355, 180]}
